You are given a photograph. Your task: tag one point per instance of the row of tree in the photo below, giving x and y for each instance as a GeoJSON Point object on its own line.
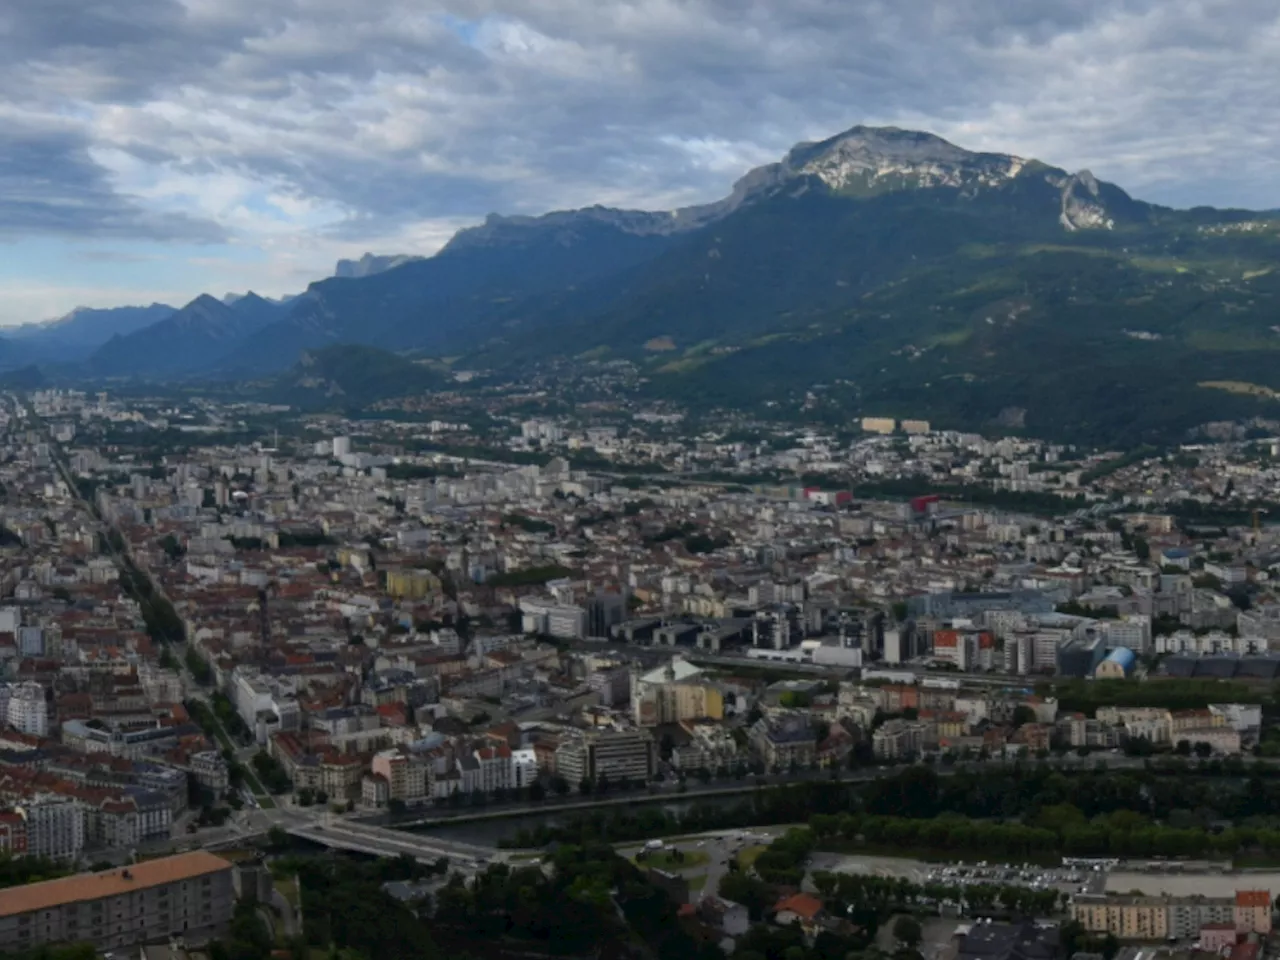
{"type": "Point", "coordinates": [1013, 809]}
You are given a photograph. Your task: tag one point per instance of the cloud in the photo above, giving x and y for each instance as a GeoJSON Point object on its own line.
{"type": "Point", "coordinates": [303, 127]}
{"type": "Point", "coordinates": [50, 184]}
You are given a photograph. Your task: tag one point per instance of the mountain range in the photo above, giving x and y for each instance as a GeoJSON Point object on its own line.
{"type": "Point", "coordinates": [879, 271]}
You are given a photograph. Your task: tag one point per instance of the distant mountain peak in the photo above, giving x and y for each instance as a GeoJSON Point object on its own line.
{"type": "Point", "coordinates": [372, 263]}
{"type": "Point", "coordinates": [860, 162]}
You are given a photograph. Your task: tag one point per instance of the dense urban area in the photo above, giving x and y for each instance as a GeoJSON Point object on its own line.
{"type": "Point", "coordinates": [449, 678]}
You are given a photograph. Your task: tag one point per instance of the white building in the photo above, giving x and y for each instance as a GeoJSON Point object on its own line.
{"type": "Point", "coordinates": [55, 827]}
{"type": "Point", "coordinates": [1132, 631]}
{"type": "Point", "coordinates": [524, 767]}
{"type": "Point", "coordinates": [27, 710]}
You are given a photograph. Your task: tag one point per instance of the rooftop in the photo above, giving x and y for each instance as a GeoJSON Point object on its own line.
{"type": "Point", "coordinates": [109, 883]}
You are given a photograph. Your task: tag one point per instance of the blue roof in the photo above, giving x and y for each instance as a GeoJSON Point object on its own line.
{"type": "Point", "coordinates": [1123, 656]}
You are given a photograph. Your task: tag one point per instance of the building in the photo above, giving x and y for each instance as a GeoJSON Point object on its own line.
{"type": "Point", "coordinates": [1078, 658]}
{"type": "Point", "coordinates": [55, 826]}
{"type": "Point", "coordinates": [800, 908]}
{"type": "Point", "coordinates": [13, 833]}
{"type": "Point", "coordinates": [783, 739]}
{"type": "Point", "coordinates": [27, 710]}
{"type": "Point", "coordinates": [731, 919]}
{"type": "Point", "coordinates": [710, 747]}
{"type": "Point", "coordinates": [613, 754]}
{"type": "Point", "coordinates": [1124, 917]}
{"type": "Point", "coordinates": [1217, 937]}
{"type": "Point", "coordinates": [1008, 941]}
{"type": "Point", "coordinates": [1116, 665]}
{"type": "Point", "coordinates": [1132, 631]}
{"type": "Point", "coordinates": [896, 739]}
{"type": "Point", "coordinates": [679, 691]}
{"type": "Point", "coordinates": [407, 777]}
{"type": "Point", "coordinates": [189, 895]}
{"type": "Point", "coordinates": [1136, 917]}
{"type": "Point", "coordinates": [494, 767]}
{"type": "Point", "coordinates": [524, 767]}
{"type": "Point", "coordinates": [1253, 911]}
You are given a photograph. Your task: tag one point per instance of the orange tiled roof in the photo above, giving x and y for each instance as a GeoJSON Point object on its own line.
{"type": "Point", "coordinates": [109, 883]}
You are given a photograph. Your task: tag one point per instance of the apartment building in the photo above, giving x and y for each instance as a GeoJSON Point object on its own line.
{"type": "Point", "coordinates": [1135, 917]}
{"type": "Point", "coordinates": [189, 895]}
{"type": "Point", "coordinates": [1125, 917]}
{"type": "Point", "coordinates": [55, 826]}
{"type": "Point", "coordinates": [710, 745]}
{"type": "Point", "coordinates": [494, 764]}
{"type": "Point", "coordinates": [783, 739]}
{"type": "Point", "coordinates": [27, 709]}
{"type": "Point", "coordinates": [1253, 911]}
{"type": "Point", "coordinates": [899, 738]}
{"type": "Point", "coordinates": [13, 833]}
{"type": "Point", "coordinates": [408, 777]}
{"type": "Point", "coordinates": [616, 754]}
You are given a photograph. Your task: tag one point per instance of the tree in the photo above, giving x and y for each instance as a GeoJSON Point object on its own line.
{"type": "Point", "coordinates": [1203, 749]}
{"type": "Point", "coordinates": [537, 792]}
{"type": "Point", "coordinates": [906, 930]}
{"type": "Point", "coordinates": [666, 746]}
{"type": "Point", "coordinates": [560, 786]}
{"type": "Point", "coordinates": [1023, 714]}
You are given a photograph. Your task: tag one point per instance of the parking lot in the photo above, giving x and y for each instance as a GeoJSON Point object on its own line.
{"type": "Point", "coordinates": [1072, 878]}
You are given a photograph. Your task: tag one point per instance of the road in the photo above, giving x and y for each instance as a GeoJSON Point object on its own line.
{"type": "Point", "coordinates": [334, 831]}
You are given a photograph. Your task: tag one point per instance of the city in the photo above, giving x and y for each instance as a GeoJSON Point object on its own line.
{"type": "Point", "coordinates": [332, 639]}
{"type": "Point", "coordinates": [639, 480]}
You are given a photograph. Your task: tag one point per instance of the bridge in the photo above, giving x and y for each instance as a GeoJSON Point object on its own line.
{"type": "Point", "coordinates": [343, 834]}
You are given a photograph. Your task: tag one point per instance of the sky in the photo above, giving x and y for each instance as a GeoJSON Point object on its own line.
{"type": "Point", "coordinates": [151, 150]}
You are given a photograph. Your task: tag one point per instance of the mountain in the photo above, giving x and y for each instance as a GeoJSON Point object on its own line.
{"type": "Point", "coordinates": [190, 341]}
{"type": "Point", "coordinates": [512, 277]}
{"type": "Point", "coordinates": [349, 375]}
{"type": "Point", "coordinates": [75, 336]}
{"type": "Point", "coordinates": [452, 301]}
{"type": "Point", "coordinates": [880, 271]}
{"type": "Point", "coordinates": [370, 264]}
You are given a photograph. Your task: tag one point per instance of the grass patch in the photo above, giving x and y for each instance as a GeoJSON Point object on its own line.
{"type": "Point", "coordinates": [288, 887]}
{"type": "Point", "coordinates": [953, 338]}
{"type": "Point", "coordinates": [665, 860]}
{"type": "Point", "coordinates": [684, 365]}
{"type": "Point", "coordinates": [747, 858]}
{"type": "Point", "coordinates": [697, 883]}
{"type": "Point", "coordinates": [1240, 387]}
{"type": "Point", "coordinates": [1226, 341]}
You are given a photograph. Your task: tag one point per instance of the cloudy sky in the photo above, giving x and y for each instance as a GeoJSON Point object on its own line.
{"type": "Point", "coordinates": [153, 149]}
